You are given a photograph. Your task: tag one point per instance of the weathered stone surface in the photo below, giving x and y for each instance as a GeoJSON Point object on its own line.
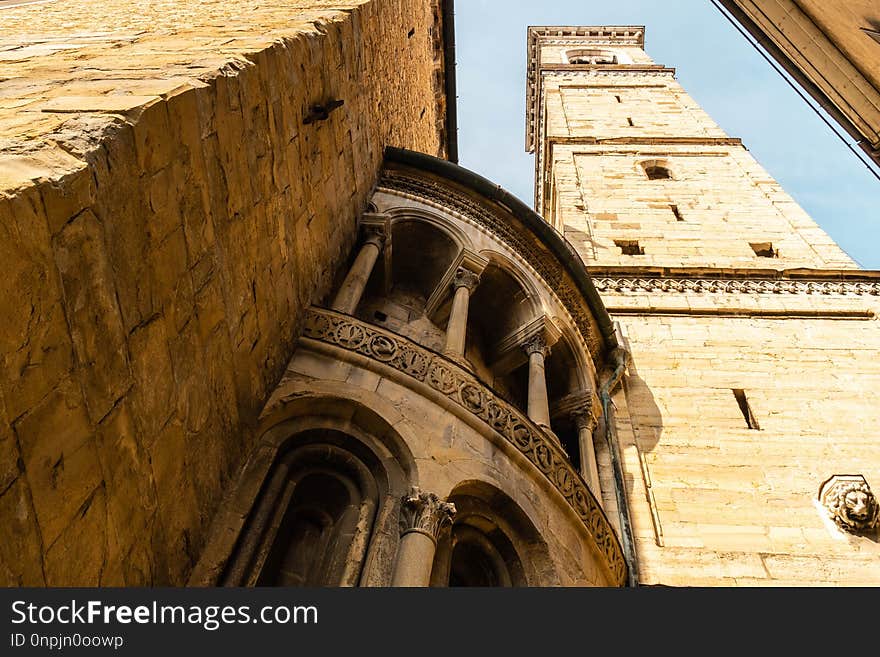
{"type": "Point", "coordinates": [79, 553]}
{"type": "Point", "coordinates": [20, 536]}
{"type": "Point", "coordinates": [92, 313]}
{"type": "Point", "coordinates": [129, 489]}
{"type": "Point", "coordinates": [60, 458]}
{"type": "Point", "coordinates": [35, 345]}
{"type": "Point", "coordinates": [165, 216]}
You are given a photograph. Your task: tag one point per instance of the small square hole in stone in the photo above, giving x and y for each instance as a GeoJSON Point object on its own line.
{"type": "Point", "coordinates": [630, 247]}
{"type": "Point", "coordinates": [764, 249]}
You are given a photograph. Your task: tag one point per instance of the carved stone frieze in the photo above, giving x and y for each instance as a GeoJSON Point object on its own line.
{"type": "Point", "coordinates": [424, 513]}
{"type": "Point", "coordinates": [465, 390]}
{"type": "Point", "coordinates": [543, 263]}
{"type": "Point", "coordinates": [627, 285]}
{"type": "Point", "coordinates": [850, 503]}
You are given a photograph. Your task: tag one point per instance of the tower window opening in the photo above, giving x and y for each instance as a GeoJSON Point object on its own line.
{"type": "Point", "coordinates": [656, 169]}
{"type": "Point", "coordinates": [764, 249]}
{"type": "Point", "coordinates": [590, 57]}
{"type": "Point", "coordinates": [745, 409]}
{"type": "Point", "coordinates": [657, 172]}
{"type": "Point", "coordinates": [630, 121]}
{"type": "Point", "coordinates": [676, 212]}
{"type": "Point", "coordinates": [630, 247]}
{"type": "Point", "coordinates": [618, 99]}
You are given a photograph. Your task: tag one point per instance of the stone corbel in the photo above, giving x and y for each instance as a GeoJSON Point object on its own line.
{"type": "Point", "coordinates": [373, 225]}
{"type": "Point", "coordinates": [467, 262]}
{"type": "Point", "coordinates": [850, 503]}
{"type": "Point", "coordinates": [510, 352]}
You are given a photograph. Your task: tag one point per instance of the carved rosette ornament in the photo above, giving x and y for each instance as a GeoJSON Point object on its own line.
{"type": "Point", "coordinates": [465, 278]}
{"type": "Point", "coordinates": [850, 503]}
{"type": "Point", "coordinates": [536, 345]}
{"type": "Point", "coordinates": [424, 513]}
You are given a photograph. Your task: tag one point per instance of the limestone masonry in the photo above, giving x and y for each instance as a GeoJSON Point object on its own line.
{"type": "Point", "coordinates": [753, 337]}
{"type": "Point", "coordinates": [166, 216]}
{"type": "Point", "coordinates": [258, 328]}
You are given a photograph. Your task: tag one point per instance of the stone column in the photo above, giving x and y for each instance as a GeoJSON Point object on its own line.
{"type": "Point", "coordinates": [585, 422]}
{"type": "Point", "coordinates": [352, 288]}
{"type": "Point", "coordinates": [539, 408]}
{"type": "Point", "coordinates": [463, 284]}
{"type": "Point", "coordinates": [421, 517]}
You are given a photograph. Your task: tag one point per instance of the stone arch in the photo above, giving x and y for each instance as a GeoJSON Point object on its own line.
{"type": "Point", "coordinates": [317, 502]}
{"type": "Point", "coordinates": [447, 225]}
{"type": "Point", "coordinates": [491, 542]}
{"type": "Point", "coordinates": [516, 271]}
{"type": "Point", "coordinates": [656, 169]}
{"type": "Point", "coordinates": [422, 248]}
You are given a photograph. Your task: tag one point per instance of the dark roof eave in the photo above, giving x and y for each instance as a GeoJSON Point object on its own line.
{"type": "Point", "coordinates": [448, 8]}
{"type": "Point", "coordinates": [558, 246]}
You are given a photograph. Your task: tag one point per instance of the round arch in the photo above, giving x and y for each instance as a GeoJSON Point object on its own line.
{"type": "Point", "coordinates": [491, 542]}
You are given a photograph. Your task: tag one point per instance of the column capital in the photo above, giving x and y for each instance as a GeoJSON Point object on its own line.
{"type": "Point", "coordinates": [537, 344]}
{"type": "Point", "coordinates": [583, 418]}
{"type": "Point", "coordinates": [465, 278]}
{"type": "Point", "coordinates": [578, 407]}
{"type": "Point", "coordinates": [375, 235]}
{"type": "Point", "coordinates": [424, 513]}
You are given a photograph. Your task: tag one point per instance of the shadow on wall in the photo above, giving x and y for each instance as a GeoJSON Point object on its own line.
{"type": "Point", "coordinates": [645, 415]}
{"type": "Point", "coordinates": [580, 241]}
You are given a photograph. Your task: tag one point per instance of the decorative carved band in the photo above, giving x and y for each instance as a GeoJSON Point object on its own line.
{"type": "Point", "coordinates": [424, 513]}
{"type": "Point", "coordinates": [546, 266]}
{"type": "Point", "coordinates": [735, 286]}
{"type": "Point", "coordinates": [468, 392]}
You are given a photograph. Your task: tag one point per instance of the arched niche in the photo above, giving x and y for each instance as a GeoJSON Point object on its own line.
{"type": "Point", "coordinates": [491, 542]}
{"type": "Point", "coordinates": [316, 504]}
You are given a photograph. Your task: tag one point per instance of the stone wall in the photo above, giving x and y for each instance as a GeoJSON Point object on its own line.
{"type": "Point", "coordinates": [718, 503]}
{"type": "Point", "coordinates": [166, 215]}
{"type": "Point", "coordinates": [714, 501]}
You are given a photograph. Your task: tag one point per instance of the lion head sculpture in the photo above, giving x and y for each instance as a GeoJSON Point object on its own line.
{"type": "Point", "coordinates": [850, 503]}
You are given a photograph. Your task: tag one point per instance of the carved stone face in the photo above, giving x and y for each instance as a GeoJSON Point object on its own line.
{"type": "Point", "coordinates": [850, 503]}
{"type": "Point", "coordinates": [857, 504]}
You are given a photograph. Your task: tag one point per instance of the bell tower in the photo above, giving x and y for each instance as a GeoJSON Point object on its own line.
{"type": "Point", "coordinates": [748, 329]}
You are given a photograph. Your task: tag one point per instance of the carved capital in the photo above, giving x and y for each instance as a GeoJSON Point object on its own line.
{"type": "Point", "coordinates": [537, 344]}
{"type": "Point", "coordinates": [424, 513]}
{"type": "Point", "coordinates": [374, 235]}
{"type": "Point", "coordinates": [850, 503]}
{"type": "Point", "coordinates": [583, 418]}
{"type": "Point", "coordinates": [465, 278]}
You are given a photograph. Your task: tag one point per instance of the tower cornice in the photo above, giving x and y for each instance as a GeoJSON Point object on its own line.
{"type": "Point", "coordinates": [596, 35]}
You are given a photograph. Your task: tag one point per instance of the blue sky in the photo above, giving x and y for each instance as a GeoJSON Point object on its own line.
{"type": "Point", "coordinates": [716, 66]}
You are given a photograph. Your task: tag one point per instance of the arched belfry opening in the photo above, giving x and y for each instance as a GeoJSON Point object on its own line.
{"type": "Point", "coordinates": [500, 306]}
